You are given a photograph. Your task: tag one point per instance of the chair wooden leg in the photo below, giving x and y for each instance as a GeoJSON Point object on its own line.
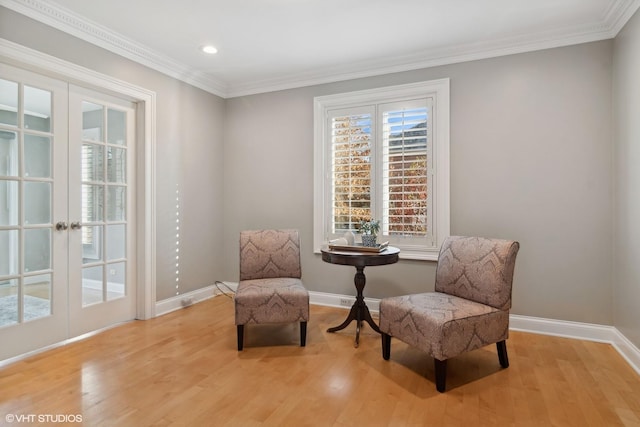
{"type": "Point", "coordinates": [386, 346]}
{"type": "Point", "coordinates": [502, 354]}
{"type": "Point", "coordinates": [240, 329]}
{"type": "Point", "coordinates": [441, 374]}
{"type": "Point", "coordinates": [303, 334]}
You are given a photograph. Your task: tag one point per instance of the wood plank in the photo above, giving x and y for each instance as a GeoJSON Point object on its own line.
{"type": "Point", "coordinates": [184, 369]}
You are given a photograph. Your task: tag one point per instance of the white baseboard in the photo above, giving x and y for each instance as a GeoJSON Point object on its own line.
{"type": "Point", "coordinates": [562, 328]}
{"type": "Point", "coordinates": [582, 331]}
{"type": "Point", "coordinates": [536, 325]}
{"type": "Point", "coordinates": [184, 300]}
{"type": "Point", "coordinates": [627, 350]}
{"type": "Point", "coordinates": [342, 301]}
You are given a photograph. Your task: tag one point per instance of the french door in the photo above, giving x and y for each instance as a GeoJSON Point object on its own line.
{"type": "Point", "coordinates": [66, 209]}
{"type": "Point", "coordinates": [33, 193]}
{"type": "Point", "coordinates": [101, 207]}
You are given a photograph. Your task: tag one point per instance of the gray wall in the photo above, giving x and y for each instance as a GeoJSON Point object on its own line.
{"type": "Point", "coordinates": [188, 151]}
{"type": "Point", "coordinates": [626, 278]}
{"type": "Point", "coordinates": [532, 159]}
{"type": "Point", "coordinates": [531, 154]}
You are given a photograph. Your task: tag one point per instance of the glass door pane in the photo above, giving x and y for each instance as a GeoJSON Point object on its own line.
{"type": "Point", "coordinates": [8, 152]}
{"type": "Point", "coordinates": [9, 104]}
{"type": "Point", "coordinates": [8, 302]}
{"type": "Point", "coordinates": [37, 156]}
{"type": "Point", "coordinates": [8, 202]}
{"type": "Point", "coordinates": [37, 296]}
{"type": "Point", "coordinates": [92, 285]}
{"type": "Point", "coordinates": [37, 109]}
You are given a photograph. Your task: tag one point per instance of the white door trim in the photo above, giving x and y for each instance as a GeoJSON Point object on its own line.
{"type": "Point", "coordinates": [25, 57]}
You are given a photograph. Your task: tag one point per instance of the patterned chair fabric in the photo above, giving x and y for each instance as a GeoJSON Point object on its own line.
{"type": "Point", "coordinates": [270, 288]}
{"type": "Point", "coordinates": [268, 254]}
{"type": "Point", "coordinates": [477, 269]}
{"type": "Point", "coordinates": [469, 308]}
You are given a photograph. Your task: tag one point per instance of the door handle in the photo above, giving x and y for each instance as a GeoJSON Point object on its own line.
{"type": "Point", "coordinates": [61, 226]}
{"type": "Point", "coordinates": [76, 225]}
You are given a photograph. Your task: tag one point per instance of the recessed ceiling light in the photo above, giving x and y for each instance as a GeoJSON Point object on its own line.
{"type": "Point", "coordinates": [209, 49]}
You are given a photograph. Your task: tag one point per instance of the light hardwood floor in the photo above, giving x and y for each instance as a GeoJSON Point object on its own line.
{"type": "Point", "coordinates": [183, 369]}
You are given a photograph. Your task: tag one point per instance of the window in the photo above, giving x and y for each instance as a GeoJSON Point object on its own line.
{"type": "Point", "coordinates": [384, 154]}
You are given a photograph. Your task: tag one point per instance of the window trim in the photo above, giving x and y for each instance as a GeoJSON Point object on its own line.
{"type": "Point", "coordinates": [439, 90]}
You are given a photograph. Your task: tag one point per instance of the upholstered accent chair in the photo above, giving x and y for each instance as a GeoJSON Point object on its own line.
{"type": "Point", "coordinates": [270, 289]}
{"type": "Point", "coordinates": [468, 310]}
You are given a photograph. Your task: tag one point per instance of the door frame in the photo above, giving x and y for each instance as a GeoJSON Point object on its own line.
{"type": "Point", "coordinates": [33, 60]}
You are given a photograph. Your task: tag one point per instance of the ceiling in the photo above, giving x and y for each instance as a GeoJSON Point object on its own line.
{"type": "Point", "coordinates": [266, 45]}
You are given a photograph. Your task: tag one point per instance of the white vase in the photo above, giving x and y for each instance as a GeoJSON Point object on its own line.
{"type": "Point", "coordinates": [350, 238]}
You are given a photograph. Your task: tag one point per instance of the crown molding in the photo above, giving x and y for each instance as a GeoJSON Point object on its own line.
{"type": "Point", "coordinates": [619, 14]}
{"type": "Point", "coordinates": [615, 19]}
{"type": "Point", "coordinates": [65, 20]}
{"type": "Point", "coordinates": [425, 59]}
{"type": "Point", "coordinates": [78, 26]}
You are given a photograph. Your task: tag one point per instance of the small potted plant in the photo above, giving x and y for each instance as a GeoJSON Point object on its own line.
{"type": "Point", "coordinates": [369, 230]}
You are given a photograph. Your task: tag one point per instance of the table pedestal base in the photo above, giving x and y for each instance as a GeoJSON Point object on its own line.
{"type": "Point", "coordinates": [359, 310]}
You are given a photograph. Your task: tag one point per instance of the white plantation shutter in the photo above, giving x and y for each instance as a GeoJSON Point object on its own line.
{"type": "Point", "coordinates": [383, 154]}
{"type": "Point", "coordinates": [406, 163]}
{"type": "Point", "coordinates": [395, 188]}
{"type": "Point", "coordinates": [351, 161]}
